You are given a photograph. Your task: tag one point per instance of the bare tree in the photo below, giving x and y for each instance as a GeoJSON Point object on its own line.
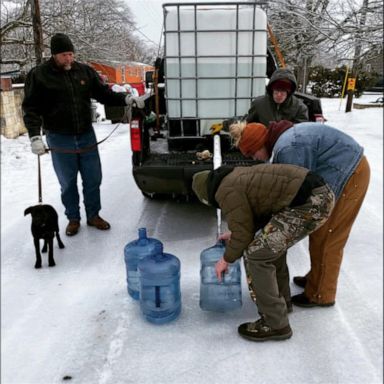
{"type": "Point", "coordinates": [15, 33]}
{"type": "Point", "coordinates": [307, 30]}
{"type": "Point", "coordinates": [99, 29]}
{"type": "Point", "coordinates": [329, 30]}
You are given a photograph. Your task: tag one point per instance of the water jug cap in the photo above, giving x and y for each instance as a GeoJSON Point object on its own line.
{"type": "Point", "coordinates": [142, 233]}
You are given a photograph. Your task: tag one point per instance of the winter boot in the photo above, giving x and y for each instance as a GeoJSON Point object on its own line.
{"type": "Point", "coordinates": [300, 281]}
{"type": "Point", "coordinates": [302, 301]}
{"type": "Point", "coordinates": [99, 223]}
{"type": "Point", "coordinates": [72, 227]}
{"type": "Point", "coordinates": [261, 331]}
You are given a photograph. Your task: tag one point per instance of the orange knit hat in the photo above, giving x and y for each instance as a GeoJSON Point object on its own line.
{"type": "Point", "coordinates": [253, 138]}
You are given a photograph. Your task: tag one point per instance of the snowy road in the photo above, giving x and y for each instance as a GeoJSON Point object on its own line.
{"type": "Point", "coordinates": [77, 320]}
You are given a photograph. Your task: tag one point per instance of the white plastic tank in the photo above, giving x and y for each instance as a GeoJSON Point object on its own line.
{"type": "Point", "coordinates": [211, 55]}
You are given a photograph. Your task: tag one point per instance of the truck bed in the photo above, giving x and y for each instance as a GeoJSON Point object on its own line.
{"type": "Point", "coordinates": [189, 158]}
{"type": "Point", "coordinates": [170, 172]}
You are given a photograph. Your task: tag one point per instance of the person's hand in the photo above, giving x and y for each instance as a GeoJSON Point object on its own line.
{"type": "Point", "coordinates": [319, 118]}
{"type": "Point", "coordinates": [225, 236]}
{"type": "Point", "coordinates": [130, 100]}
{"type": "Point", "coordinates": [37, 145]}
{"type": "Point", "coordinates": [221, 267]}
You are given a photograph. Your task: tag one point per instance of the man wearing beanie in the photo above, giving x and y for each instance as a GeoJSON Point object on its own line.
{"type": "Point", "coordinates": [57, 103]}
{"type": "Point", "coordinates": [268, 208]}
{"type": "Point", "coordinates": [61, 43]}
{"type": "Point", "coordinates": [279, 103]}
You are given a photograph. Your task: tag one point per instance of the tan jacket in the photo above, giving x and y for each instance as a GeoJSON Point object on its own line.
{"type": "Point", "coordinates": [248, 195]}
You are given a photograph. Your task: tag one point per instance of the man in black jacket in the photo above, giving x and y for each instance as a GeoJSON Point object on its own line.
{"type": "Point", "coordinates": [58, 100]}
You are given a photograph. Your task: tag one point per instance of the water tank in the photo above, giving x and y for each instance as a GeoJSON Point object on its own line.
{"type": "Point", "coordinates": [134, 251]}
{"type": "Point", "coordinates": [214, 295]}
{"type": "Point", "coordinates": [215, 60]}
{"type": "Point", "coordinates": [160, 297]}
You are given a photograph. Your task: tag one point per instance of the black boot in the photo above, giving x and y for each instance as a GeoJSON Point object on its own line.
{"type": "Point", "coordinates": [302, 301]}
{"type": "Point", "coordinates": [300, 281]}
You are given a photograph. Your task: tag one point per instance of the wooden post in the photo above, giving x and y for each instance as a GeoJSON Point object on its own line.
{"type": "Point", "coordinates": [276, 47]}
{"type": "Point", "coordinates": [345, 83]}
{"type": "Point", "coordinates": [350, 91]}
{"type": "Point", "coordinates": [37, 31]}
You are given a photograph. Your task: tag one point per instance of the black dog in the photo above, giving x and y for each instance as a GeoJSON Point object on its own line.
{"type": "Point", "coordinates": [45, 225]}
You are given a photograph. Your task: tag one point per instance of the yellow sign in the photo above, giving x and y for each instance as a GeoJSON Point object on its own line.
{"type": "Point", "coordinates": [351, 83]}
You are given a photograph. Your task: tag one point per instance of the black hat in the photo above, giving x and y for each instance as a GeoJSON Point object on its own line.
{"type": "Point", "coordinates": [61, 43]}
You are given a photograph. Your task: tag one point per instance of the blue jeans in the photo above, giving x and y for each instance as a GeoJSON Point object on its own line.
{"type": "Point", "coordinates": [68, 165]}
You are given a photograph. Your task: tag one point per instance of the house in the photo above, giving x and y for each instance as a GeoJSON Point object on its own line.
{"type": "Point", "coordinates": [374, 62]}
{"type": "Point", "coordinates": [120, 73]}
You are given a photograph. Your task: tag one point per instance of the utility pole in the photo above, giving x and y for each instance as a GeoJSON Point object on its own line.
{"type": "Point", "coordinates": [37, 31]}
{"type": "Point", "coordinates": [356, 57]}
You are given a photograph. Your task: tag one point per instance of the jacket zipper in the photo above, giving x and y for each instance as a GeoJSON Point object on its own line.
{"type": "Point", "coordinates": [74, 108]}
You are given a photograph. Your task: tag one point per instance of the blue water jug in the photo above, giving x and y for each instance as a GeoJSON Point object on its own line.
{"type": "Point", "coordinates": [134, 251]}
{"type": "Point", "coordinates": [160, 298]}
{"type": "Point", "coordinates": [214, 295]}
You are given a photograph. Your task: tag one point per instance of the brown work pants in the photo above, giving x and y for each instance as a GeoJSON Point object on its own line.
{"type": "Point", "coordinates": [327, 243]}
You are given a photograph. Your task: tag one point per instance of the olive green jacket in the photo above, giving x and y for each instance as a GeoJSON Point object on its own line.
{"type": "Point", "coordinates": [249, 195]}
{"type": "Point", "coordinates": [264, 109]}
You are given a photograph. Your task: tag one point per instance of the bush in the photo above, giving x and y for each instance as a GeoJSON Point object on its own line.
{"type": "Point", "coordinates": [325, 82]}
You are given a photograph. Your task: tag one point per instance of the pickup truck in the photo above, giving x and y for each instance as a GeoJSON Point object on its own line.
{"type": "Point", "coordinates": [212, 68]}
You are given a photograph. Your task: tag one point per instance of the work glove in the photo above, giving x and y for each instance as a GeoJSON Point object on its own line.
{"type": "Point", "coordinates": [204, 155]}
{"type": "Point", "coordinates": [224, 126]}
{"type": "Point", "coordinates": [37, 145]}
{"type": "Point", "coordinates": [139, 102]}
{"type": "Point", "coordinates": [216, 128]}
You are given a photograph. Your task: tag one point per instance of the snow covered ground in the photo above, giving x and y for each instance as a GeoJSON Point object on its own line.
{"type": "Point", "coordinates": [75, 322]}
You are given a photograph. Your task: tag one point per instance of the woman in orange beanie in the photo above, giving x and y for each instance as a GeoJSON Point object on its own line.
{"type": "Point", "coordinates": [340, 160]}
{"type": "Point", "coordinates": [252, 138]}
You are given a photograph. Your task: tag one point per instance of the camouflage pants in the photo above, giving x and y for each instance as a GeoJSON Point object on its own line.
{"type": "Point", "coordinates": [282, 277]}
{"type": "Point", "coordinates": [285, 229]}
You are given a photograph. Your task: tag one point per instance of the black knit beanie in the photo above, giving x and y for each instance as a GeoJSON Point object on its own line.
{"type": "Point", "coordinates": [61, 43]}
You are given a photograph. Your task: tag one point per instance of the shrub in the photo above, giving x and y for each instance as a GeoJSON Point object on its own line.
{"type": "Point", "coordinates": [325, 82]}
